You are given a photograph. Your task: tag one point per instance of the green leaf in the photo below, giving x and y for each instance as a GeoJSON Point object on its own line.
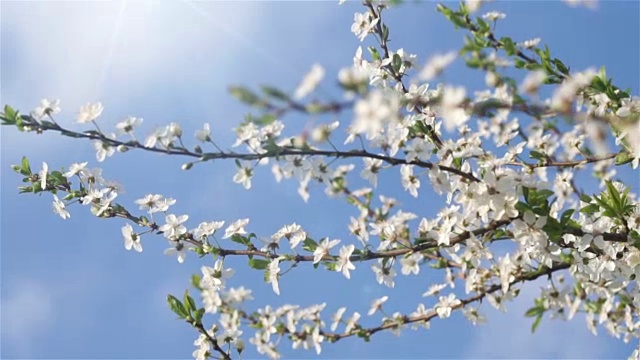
{"type": "Point", "coordinates": [195, 281]}
{"type": "Point", "coordinates": [533, 66]}
{"type": "Point", "coordinates": [545, 193]}
{"type": "Point", "coordinates": [37, 187]}
{"type": "Point", "coordinates": [57, 178]}
{"type": "Point", "coordinates": [598, 84]}
{"type": "Point", "coordinates": [522, 207]}
{"type": "Point", "coordinates": [614, 195]}
{"type": "Point", "coordinates": [536, 155]}
{"type": "Point", "coordinates": [197, 316]}
{"type": "Point", "coordinates": [590, 209]}
{"type": "Point", "coordinates": [245, 95]}
{"type": "Point", "coordinates": [9, 117]}
{"type": "Point", "coordinates": [602, 73]}
{"type": "Point", "coordinates": [275, 93]}
{"type": "Point", "coordinates": [309, 245]}
{"type": "Point", "coordinates": [9, 112]}
{"type": "Point", "coordinates": [536, 323]}
{"type": "Point", "coordinates": [561, 67]}
{"type": "Point", "coordinates": [534, 311]}
{"type": "Point", "coordinates": [190, 304]}
{"type": "Point", "coordinates": [237, 238]}
{"type": "Point", "coordinates": [457, 21]}
{"type": "Point", "coordinates": [272, 147]}
{"type": "Point", "coordinates": [483, 26]}
{"type": "Point", "coordinates": [375, 55]}
{"type": "Point", "coordinates": [566, 216]}
{"type": "Point", "coordinates": [385, 33]}
{"type": "Point", "coordinates": [265, 119]}
{"type": "Point", "coordinates": [176, 306]}
{"type": "Point", "coordinates": [26, 168]}
{"type": "Point", "coordinates": [396, 63]}
{"type": "Point", "coordinates": [585, 198]}
{"type": "Point", "coordinates": [509, 46]}
{"type": "Point", "coordinates": [473, 62]}
{"type": "Point", "coordinates": [258, 264]}
{"type": "Point", "coordinates": [331, 266]}
{"type": "Point", "coordinates": [444, 10]}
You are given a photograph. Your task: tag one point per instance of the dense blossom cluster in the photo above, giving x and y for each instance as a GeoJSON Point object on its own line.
{"type": "Point", "coordinates": [508, 175]}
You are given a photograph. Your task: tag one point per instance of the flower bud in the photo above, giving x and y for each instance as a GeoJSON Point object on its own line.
{"type": "Point", "coordinates": [298, 142]}
{"type": "Point", "coordinates": [122, 148]}
{"type": "Point", "coordinates": [187, 166]}
{"type": "Point", "coordinates": [239, 345]}
{"type": "Point", "coordinates": [492, 79]}
{"type": "Point", "coordinates": [175, 129]}
{"type": "Point", "coordinates": [320, 135]}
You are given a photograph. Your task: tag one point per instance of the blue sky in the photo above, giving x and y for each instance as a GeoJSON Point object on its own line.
{"type": "Point", "coordinates": [70, 290]}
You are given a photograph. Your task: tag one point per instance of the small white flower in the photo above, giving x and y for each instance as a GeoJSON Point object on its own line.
{"type": "Point", "coordinates": [179, 249]}
{"type": "Point", "coordinates": [155, 203]}
{"type": "Point", "coordinates": [131, 239]}
{"type": "Point", "coordinates": [103, 150]}
{"type": "Point", "coordinates": [47, 108]}
{"type": "Point", "coordinates": [474, 5]}
{"type": "Point", "coordinates": [628, 106]}
{"type": "Point", "coordinates": [384, 274]}
{"type": "Point", "coordinates": [59, 208]}
{"type": "Point", "coordinates": [204, 134]}
{"type": "Point", "coordinates": [445, 305]}
{"type": "Point", "coordinates": [411, 264]}
{"type": "Point", "coordinates": [371, 169]}
{"type": "Point", "coordinates": [377, 305]}
{"type": "Point", "coordinates": [434, 289]}
{"type": "Point", "coordinates": [362, 24]}
{"type": "Point", "coordinates": [89, 112]}
{"type": "Point", "coordinates": [173, 227]}
{"type": "Point", "coordinates": [274, 271]}
{"type": "Point", "coordinates": [309, 82]}
{"type": "Point", "coordinates": [321, 133]}
{"type": "Point", "coordinates": [243, 176]}
{"type": "Point", "coordinates": [530, 44]}
{"type": "Point", "coordinates": [533, 81]}
{"type": "Point", "coordinates": [214, 278]}
{"type": "Point", "coordinates": [43, 175]}
{"type": "Point", "coordinates": [409, 181]}
{"type": "Point", "coordinates": [336, 318]}
{"type": "Point", "coordinates": [127, 125]}
{"type": "Point", "coordinates": [590, 4]}
{"type": "Point", "coordinates": [293, 233]}
{"type": "Point", "coordinates": [344, 264]}
{"type": "Point", "coordinates": [174, 129]}
{"type": "Point", "coordinates": [323, 249]}
{"type": "Point", "coordinates": [452, 113]}
{"type": "Point", "coordinates": [494, 15]}
{"type": "Point", "coordinates": [92, 176]}
{"type": "Point", "coordinates": [75, 168]}
{"type": "Point", "coordinates": [206, 229]}
{"type": "Point", "coordinates": [163, 204]}
{"type": "Point", "coordinates": [236, 228]}
{"type": "Point", "coordinates": [473, 315]}
{"type": "Point", "coordinates": [436, 65]}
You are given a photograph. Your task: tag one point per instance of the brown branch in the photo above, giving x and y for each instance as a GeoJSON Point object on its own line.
{"type": "Point", "coordinates": [282, 151]}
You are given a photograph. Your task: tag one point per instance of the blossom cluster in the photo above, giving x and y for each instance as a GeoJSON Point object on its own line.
{"type": "Point", "coordinates": [504, 170]}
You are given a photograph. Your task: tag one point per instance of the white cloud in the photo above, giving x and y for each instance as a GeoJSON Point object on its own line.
{"type": "Point", "coordinates": [27, 311]}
